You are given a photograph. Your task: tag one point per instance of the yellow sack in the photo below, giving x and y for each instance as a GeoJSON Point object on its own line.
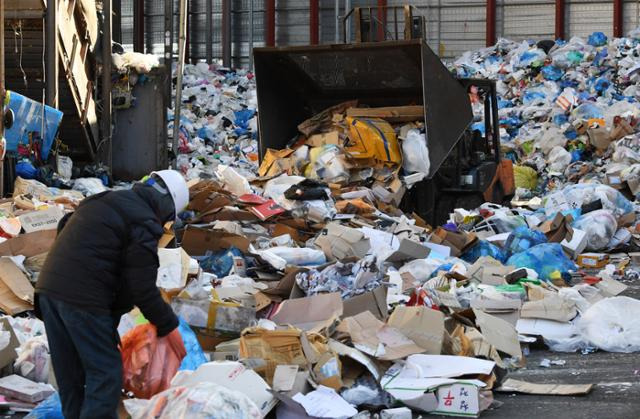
{"type": "Point", "coordinates": [525, 177]}
{"type": "Point", "coordinates": [373, 138]}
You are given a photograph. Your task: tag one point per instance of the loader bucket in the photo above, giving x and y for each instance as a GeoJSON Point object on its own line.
{"type": "Point", "coordinates": [295, 83]}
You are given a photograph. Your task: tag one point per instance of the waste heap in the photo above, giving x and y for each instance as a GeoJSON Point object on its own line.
{"type": "Point", "coordinates": [303, 288]}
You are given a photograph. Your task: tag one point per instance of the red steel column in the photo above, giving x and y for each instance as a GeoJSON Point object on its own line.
{"type": "Point", "coordinates": [314, 22]}
{"type": "Point", "coordinates": [382, 19]}
{"type": "Point", "coordinates": [617, 18]}
{"type": "Point", "coordinates": [491, 22]}
{"type": "Point", "coordinates": [560, 13]}
{"type": "Point", "coordinates": [270, 11]}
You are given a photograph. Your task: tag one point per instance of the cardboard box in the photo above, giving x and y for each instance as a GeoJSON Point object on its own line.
{"type": "Point", "coordinates": [550, 308]}
{"type": "Point", "coordinates": [341, 242]}
{"type": "Point", "coordinates": [422, 325]}
{"type": "Point", "coordinates": [311, 314]}
{"type": "Point", "coordinates": [25, 390]}
{"type": "Point", "coordinates": [197, 241]}
{"type": "Point", "coordinates": [377, 339]}
{"type": "Point", "coordinates": [592, 260]}
{"type": "Point", "coordinates": [41, 220]}
{"type": "Point", "coordinates": [575, 242]}
{"type": "Point", "coordinates": [458, 399]}
{"type": "Point", "coordinates": [373, 301]}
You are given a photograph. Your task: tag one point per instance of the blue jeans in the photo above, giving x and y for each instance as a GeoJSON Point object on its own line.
{"type": "Point", "coordinates": [85, 357]}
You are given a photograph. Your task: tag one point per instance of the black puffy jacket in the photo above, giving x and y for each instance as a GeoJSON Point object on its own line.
{"type": "Point", "coordinates": [105, 258]}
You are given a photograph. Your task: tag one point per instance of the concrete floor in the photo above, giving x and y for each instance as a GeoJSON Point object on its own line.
{"type": "Point", "coordinates": [616, 394]}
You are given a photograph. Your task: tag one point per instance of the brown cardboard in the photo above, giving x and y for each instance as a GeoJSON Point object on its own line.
{"type": "Point", "coordinates": [499, 333]}
{"type": "Point", "coordinates": [373, 301]}
{"type": "Point", "coordinates": [341, 242]}
{"type": "Point", "coordinates": [282, 289]}
{"type": "Point", "coordinates": [550, 308]}
{"type": "Point", "coordinates": [29, 244]}
{"type": "Point", "coordinates": [197, 241]}
{"type": "Point", "coordinates": [518, 386]}
{"type": "Point", "coordinates": [328, 371]}
{"type": "Point", "coordinates": [311, 313]}
{"type": "Point", "coordinates": [422, 325]}
{"type": "Point", "coordinates": [374, 338]}
{"type": "Point", "coordinates": [489, 271]}
{"type": "Point", "coordinates": [275, 347]}
{"type": "Point", "coordinates": [16, 292]}
{"type": "Point", "coordinates": [318, 140]}
{"type": "Point", "coordinates": [599, 138]}
{"type": "Point", "coordinates": [592, 260]}
{"type": "Point", "coordinates": [8, 354]}
{"type": "Point", "coordinates": [391, 113]}
{"type": "Point", "coordinates": [409, 250]}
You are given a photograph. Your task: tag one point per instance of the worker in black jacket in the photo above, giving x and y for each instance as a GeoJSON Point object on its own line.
{"type": "Point", "coordinates": [103, 262]}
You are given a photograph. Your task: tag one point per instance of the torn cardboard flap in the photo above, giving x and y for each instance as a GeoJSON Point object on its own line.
{"type": "Point", "coordinates": [16, 292]}
{"type": "Point", "coordinates": [517, 386]}
{"type": "Point", "coordinates": [374, 338]}
{"type": "Point", "coordinates": [499, 333]}
{"type": "Point", "coordinates": [197, 241]}
{"type": "Point", "coordinates": [8, 354]}
{"type": "Point", "coordinates": [409, 250]}
{"type": "Point", "coordinates": [30, 244]}
{"type": "Point", "coordinates": [551, 307]}
{"type": "Point", "coordinates": [422, 325]}
{"type": "Point", "coordinates": [311, 313]}
{"type": "Point", "coordinates": [347, 351]}
{"type": "Point", "coordinates": [341, 242]}
{"type": "Point", "coordinates": [373, 301]}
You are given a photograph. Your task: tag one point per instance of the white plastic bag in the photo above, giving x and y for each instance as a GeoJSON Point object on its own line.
{"type": "Point", "coordinates": [611, 325]}
{"type": "Point", "coordinates": [559, 159]}
{"type": "Point", "coordinates": [89, 186]}
{"type": "Point", "coordinates": [600, 227]}
{"type": "Point", "coordinates": [415, 153]}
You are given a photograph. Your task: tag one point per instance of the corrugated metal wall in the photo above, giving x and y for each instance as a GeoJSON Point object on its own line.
{"type": "Point", "coordinates": [453, 26]}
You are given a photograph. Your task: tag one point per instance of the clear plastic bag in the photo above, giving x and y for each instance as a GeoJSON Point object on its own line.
{"type": "Point", "coordinates": [600, 226]}
{"type": "Point", "coordinates": [149, 363]}
{"type": "Point", "coordinates": [415, 153]}
{"type": "Point", "coordinates": [559, 159]}
{"type": "Point", "coordinates": [203, 400]}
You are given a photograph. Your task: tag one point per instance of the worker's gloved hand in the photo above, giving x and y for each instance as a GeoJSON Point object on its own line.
{"type": "Point", "coordinates": [174, 339]}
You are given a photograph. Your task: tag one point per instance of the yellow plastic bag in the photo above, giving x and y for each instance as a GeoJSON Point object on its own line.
{"type": "Point", "coordinates": [525, 177]}
{"type": "Point", "coordinates": [373, 138]}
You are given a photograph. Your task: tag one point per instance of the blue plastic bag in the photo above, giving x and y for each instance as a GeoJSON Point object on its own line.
{"type": "Point", "coordinates": [26, 170]}
{"type": "Point", "coordinates": [546, 259]}
{"type": "Point", "coordinates": [243, 117]}
{"type": "Point", "coordinates": [597, 39]}
{"type": "Point", "coordinates": [195, 356]}
{"type": "Point", "coordinates": [550, 72]}
{"type": "Point", "coordinates": [523, 238]}
{"type": "Point", "coordinates": [219, 263]}
{"type": "Point", "coordinates": [484, 248]}
{"type": "Point", "coordinates": [49, 408]}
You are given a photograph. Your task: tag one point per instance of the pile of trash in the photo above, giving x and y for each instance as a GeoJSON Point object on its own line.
{"type": "Point", "coordinates": [304, 288]}
{"type": "Point", "coordinates": [568, 110]}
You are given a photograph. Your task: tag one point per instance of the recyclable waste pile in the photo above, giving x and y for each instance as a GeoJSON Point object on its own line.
{"type": "Point", "coordinates": [304, 288]}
